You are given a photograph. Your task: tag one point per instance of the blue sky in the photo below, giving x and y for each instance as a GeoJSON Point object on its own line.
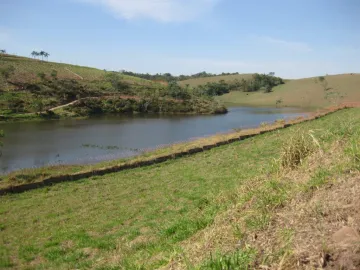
{"type": "Point", "coordinates": [294, 38]}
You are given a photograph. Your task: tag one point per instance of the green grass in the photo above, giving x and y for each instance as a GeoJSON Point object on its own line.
{"type": "Point", "coordinates": [299, 93]}
{"type": "Point", "coordinates": [141, 217]}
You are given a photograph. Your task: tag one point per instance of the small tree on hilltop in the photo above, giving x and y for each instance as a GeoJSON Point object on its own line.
{"type": "Point", "coordinates": [3, 51]}
{"type": "Point", "coordinates": [43, 54]}
{"type": "Point", "coordinates": [34, 54]}
{"type": "Point", "coordinates": [330, 93]}
{"type": "Point", "coordinates": [46, 55]}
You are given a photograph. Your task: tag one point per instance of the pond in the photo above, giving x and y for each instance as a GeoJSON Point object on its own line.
{"type": "Point", "coordinates": [74, 141]}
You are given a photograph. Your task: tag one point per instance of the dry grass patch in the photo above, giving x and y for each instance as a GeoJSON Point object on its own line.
{"type": "Point", "coordinates": [260, 218]}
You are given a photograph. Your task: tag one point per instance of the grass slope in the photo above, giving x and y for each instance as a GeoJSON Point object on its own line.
{"type": "Point", "coordinates": [300, 93]}
{"type": "Point", "coordinates": [26, 70]}
{"type": "Point", "coordinates": [173, 215]}
{"type": "Point", "coordinates": [227, 78]}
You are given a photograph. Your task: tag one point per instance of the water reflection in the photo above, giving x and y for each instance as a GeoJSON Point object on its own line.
{"type": "Point", "coordinates": [35, 144]}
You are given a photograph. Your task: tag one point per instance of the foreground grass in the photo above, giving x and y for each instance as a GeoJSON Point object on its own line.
{"type": "Point", "coordinates": [148, 217]}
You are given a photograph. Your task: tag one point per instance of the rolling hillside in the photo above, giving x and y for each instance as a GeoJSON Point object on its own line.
{"type": "Point", "coordinates": [27, 70]}
{"type": "Point", "coordinates": [306, 92]}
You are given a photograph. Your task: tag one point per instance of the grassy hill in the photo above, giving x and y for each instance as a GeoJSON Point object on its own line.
{"type": "Point", "coordinates": [27, 70]}
{"type": "Point", "coordinates": [227, 78]}
{"type": "Point", "coordinates": [31, 89]}
{"type": "Point", "coordinates": [243, 205]}
{"type": "Point", "coordinates": [300, 93]}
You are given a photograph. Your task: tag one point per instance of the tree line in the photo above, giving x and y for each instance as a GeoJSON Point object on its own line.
{"type": "Point", "coordinates": [258, 82]}
{"type": "Point", "coordinates": [168, 77]}
{"type": "Point", "coordinates": [41, 54]}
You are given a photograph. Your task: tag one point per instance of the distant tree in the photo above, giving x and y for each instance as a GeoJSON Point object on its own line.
{"type": "Point", "coordinates": [271, 73]}
{"type": "Point", "coordinates": [38, 105]}
{"type": "Point", "coordinates": [3, 51]}
{"type": "Point", "coordinates": [46, 55]}
{"type": "Point", "coordinates": [34, 54]}
{"type": "Point", "coordinates": [177, 91]}
{"type": "Point", "coordinates": [43, 54]}
{"type": "Point", "coordinates": [278, 102]}
{"type": "Point", "coordinates": [324, 83]}
{"type": "Point", "coordinates": [15, 104]}
{"type": "Point", "coordinates": [268, 88]}
{"type": "Point", "coordinates": [330, 94]}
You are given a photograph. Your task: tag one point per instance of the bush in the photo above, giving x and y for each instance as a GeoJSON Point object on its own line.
{"type": "Point", "coordinates": [297, 148]}
{"type": "Point", "coordinates": [41, 75]}
{"type": "Point", "coordinates": [54, 74]}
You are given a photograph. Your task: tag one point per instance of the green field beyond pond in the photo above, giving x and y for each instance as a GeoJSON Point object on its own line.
{"type": "Point", "coordinates": [31, 89]}
{"type": "Point", "coordinates": [196, 212]}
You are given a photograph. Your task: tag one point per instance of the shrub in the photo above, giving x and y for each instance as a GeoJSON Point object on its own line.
{"type": "Point", "coordinates": [54, 74]}
{"type": "Point", "coordinates": [298, 147]}
{"type": "Point", "coordinates": [41, 75]}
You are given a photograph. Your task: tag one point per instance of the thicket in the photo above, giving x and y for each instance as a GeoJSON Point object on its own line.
{"type": "Point", "coordinates": [113, 105]}
{"type": "Point", "coordinates": [169, 77]}
{"type": "Point", "coordinates": [257, 83]}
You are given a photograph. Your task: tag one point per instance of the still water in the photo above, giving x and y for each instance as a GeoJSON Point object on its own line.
{"type": "Point", "coordinates": [34, 144]}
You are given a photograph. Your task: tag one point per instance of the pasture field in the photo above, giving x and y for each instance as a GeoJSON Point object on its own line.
{"type": "Point", "coordinates": [243, 205]}
{"type": "Point", "coordinates": [307, 93]}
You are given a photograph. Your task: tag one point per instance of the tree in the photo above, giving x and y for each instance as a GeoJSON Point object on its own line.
{"type": "Point", "coordinates": [268, 88]}
{"type": "Point", "coordinates": [3, 51]}
{"type": "Point", "coordinates": [46, 55]}
{"type": "Point", "coordinates": [15, 104]}
{"type": "Point", "coordinates": [34, 54]}
{"type": "Point", "coordinates": [278, 102]}
{"type": "Point", "coordinates": [38, 105]}
{"type": "Point", "coordinates": [176, 91]}
{"type": "Point", "coordinates": [324, 83]}
{"type": "Point", "coordinates": [43, 54]}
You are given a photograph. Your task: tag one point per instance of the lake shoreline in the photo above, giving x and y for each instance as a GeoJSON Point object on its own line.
{"type": "Point", "coordinates": [116, 136]}
{"type": "Point", "coordinates": [14, 182]}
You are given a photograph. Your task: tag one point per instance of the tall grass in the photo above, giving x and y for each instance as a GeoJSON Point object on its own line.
{"type": "Point", "coordinates": [299, 146]}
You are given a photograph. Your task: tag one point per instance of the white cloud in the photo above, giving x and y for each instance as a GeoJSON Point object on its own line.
{"type": "Point", "coordinates": [159, 10]}
{"type": "Point", "coordinates": [289, 45]}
